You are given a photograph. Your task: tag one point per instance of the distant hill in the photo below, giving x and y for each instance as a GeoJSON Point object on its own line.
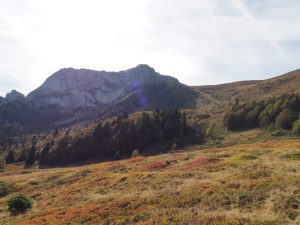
{"type": "Point", "coordinates": [245, 91]}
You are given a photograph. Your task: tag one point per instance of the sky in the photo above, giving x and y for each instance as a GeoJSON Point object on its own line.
{"type": "Point", "coordinates": [197, 41]}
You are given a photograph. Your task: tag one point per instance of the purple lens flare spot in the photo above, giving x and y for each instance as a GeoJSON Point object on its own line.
{"type": "Point", "coordinates": [143, 100]}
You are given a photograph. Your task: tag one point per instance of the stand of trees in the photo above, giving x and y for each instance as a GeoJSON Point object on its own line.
{"type": "Point", "coordinates": [119, 138]}
{"type": "Point", "coordinates": [29, 157]}
{"type": "Point", "coordinates": [281, 112]}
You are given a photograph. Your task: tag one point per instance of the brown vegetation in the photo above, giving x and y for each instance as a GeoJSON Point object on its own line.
{"type": "Point", "coordinates": [244, 184]}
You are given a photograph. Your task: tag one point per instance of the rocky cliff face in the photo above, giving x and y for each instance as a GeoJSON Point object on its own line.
{"type": "Point", "coordinates": [13, 96]}
{"type": "Point", "coordinates": [71, 89]}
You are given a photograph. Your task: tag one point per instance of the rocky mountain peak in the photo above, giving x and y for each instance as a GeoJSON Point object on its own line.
{"type": "Point", "coordinates": [72, 89]}
{"type": "Point", "coordinates": [1, 100]}
{"type": "Point", "coordinates": [13, 95]}
{"type": "Point", "coordinates": [143, 69]}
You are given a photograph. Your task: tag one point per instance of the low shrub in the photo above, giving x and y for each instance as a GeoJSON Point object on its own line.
{"type": "Point", "coordinates": [18, 204]}
{"type": "Point", "coordinates": [135, 153]}
{"type": "Point", "coordinates": [287, 206]}
{"type": "Point", "coordinates": [202, 161]}
{"type": "Point", "coordinates": [157, 165]}
{"type": "Point", "coordinates": [285, 119]}
{"type": "Point", "coordinates": [296, 127]}
{"type": "Point", "coordinates": [2, 163]}
{"type": "Point", "coordinates": [279, 133]}
{"type": "Point", "coordinates": [3, 189]}
{"type": "Point", "coordinates": [245, 157]}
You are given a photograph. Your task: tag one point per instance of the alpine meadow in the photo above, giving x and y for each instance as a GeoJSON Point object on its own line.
{"type": "Point", "coordinates": [214, 142]}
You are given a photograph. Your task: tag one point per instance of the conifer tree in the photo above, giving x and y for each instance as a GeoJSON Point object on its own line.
{"type": "Point", "coordinates": [10, 157]}
{"type": "Point", "coordinates": [31, 156]}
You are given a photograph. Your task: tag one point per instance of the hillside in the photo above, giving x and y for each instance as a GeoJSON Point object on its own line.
{"type": "Point", "coordinates": [246, 91]}
{"type": "Point", "coordinates": [255, 183]}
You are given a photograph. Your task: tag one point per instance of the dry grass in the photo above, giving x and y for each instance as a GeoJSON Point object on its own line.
{"type": "Point", "coordinates": [244, 184]}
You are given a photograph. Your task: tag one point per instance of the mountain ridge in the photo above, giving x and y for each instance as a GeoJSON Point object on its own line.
{"type": "Point", "coordinates": [97, 87]}
{"type": "Point", "coordinates": [71, 95]}
{"type": "Point", "coordinates": [74, 95]}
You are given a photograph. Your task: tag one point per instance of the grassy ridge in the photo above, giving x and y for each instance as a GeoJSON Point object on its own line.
{"type": "Point", "coordinates": [254, 183]}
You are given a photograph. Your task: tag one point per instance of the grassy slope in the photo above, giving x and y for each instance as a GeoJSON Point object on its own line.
{"type": "Point", "coordinates": [254, 183]}
{"type": "Point", "coordinates": [214, 98]}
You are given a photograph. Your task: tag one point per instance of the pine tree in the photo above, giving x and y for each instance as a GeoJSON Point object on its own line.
{"type": "Point", "coordinates": [184, 123]}
{"type": "Point", "coordinates": [55, 133]}
{"type": "Point", "coordinates": [44, 153]}
{"type": "Point", "coordinates": [10, 157]}
{"type": "Point", "coordinates": [117, 155]}
{"type": "Point", "coordinates": [169, 128]}
{"type": "Point", "coordinates": [23, 156]}
{"type": "Point", "coordinates": [31, 156]}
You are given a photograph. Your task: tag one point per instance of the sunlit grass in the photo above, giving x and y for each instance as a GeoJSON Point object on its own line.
{"type": "Point", "coordinates": [241, 184]}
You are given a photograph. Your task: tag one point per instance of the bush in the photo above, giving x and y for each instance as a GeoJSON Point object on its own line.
{"type": "Point", "coordinates": [135, 153]}
{"type": "Point", "coordinates": [10, 157]}
{"type": "Point", "coordinates": [31, 156]}
{"type": "Point", "coordinates": [296, 127]}
{"type": "Point", "coordinates": [287, 206]}
{"type": "Point", "coordinates": [3, 189]}
{"type": "Point", "coordinates": [279, 133]}
{"type": "Point", "coordinates": [2, 163]}
{"type": "Point", "coordinates": [280, 112]}
{"type": "Point", "coordinates": [18, 204]}
{"type": "Point", "coordinates": [285, 119]}
{"type": "Point", "coordinates": [246, 157]}
{"type": "Point", "coordinates": [235, 120]}
{"type": "Point", "coordinates": [251, 120]}
{"type": "Point", "coordinates": [265, 120]}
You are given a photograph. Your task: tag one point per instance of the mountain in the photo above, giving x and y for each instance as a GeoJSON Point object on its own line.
{"type": "Point", "coordinates": [72, 89]}
{"type": "Point", "coordinates": [73, 95]}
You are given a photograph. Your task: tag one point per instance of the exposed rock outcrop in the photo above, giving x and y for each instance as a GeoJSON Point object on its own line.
{"type": "Point", "coordinates": [13, 95]}
{"type": "Point", "coordinates": [72, 89]}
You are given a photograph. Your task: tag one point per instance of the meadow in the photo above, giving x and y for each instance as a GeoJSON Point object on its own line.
{"type": "Point", "coordinates": [250, 183]}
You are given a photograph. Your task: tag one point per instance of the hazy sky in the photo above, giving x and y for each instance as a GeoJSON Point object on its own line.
{"type": "Point", "coordinates": [197, 41]}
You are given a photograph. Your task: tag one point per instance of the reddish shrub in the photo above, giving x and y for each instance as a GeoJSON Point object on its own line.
{"type": "Point", "coordinates": [157, 165]}
{"type": "Point", "coordinates": [202, 161]}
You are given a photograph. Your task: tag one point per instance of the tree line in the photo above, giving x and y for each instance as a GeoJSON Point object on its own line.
{"type": "Point", "coordinates": [119, 138]}
{"type": "Point", "coordinates": [281, 112]}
